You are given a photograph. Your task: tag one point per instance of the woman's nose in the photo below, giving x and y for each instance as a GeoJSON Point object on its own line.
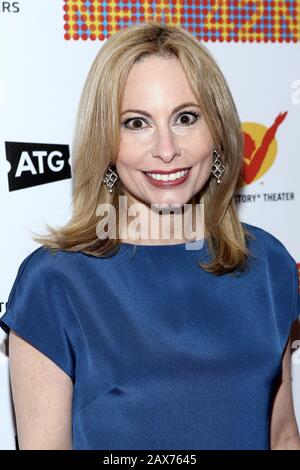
{"type": "Point", "coordinates": [165, 146]}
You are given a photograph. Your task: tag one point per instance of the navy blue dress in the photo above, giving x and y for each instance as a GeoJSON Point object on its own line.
{"type": "Point", "coordinates": [162, 355]}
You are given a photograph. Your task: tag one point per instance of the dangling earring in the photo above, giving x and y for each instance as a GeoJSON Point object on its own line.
{"type": "Point", "coordinates": [217, 168]}
{"type": "Point", "coordinates": [110, 178]}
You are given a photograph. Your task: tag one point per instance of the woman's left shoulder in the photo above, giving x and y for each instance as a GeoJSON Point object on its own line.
{"type": "Point", "coordinates": [277, 267]}
{"type": "Point", "coordinates": [265, 245]}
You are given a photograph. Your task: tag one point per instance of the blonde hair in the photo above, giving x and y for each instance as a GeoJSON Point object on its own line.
{"type": "Point", "coordinates": [97, 137]}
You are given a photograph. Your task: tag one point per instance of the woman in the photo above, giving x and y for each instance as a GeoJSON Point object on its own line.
{"type": "Point", "coordinates": [168, 342]}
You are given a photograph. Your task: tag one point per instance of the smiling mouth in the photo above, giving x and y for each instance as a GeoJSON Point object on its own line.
{"type": "Point", "coordinates": [161, 175]}
{"type": "Point", "coordinates": [167, 179]}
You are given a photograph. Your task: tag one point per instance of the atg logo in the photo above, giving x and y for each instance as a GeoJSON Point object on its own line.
{"type": "Point", "coordinates": [208, 20]}
{"type": "Point", "coordinates": [34, 164]}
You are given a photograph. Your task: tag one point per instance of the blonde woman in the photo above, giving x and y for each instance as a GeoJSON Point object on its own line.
{"type": "Point", "coordinates": [178, 342]}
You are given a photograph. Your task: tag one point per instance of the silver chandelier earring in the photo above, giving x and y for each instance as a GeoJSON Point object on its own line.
{"type": "Point", "coordinates": [217, 167]}
{"type": "Point", "coordinates": [110, 178]}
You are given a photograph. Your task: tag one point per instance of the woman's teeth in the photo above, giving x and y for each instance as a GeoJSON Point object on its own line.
{"type": "Point", "coordinates": [169, 177]}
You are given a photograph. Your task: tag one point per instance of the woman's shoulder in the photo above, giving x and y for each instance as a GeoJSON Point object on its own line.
{"type": "Point", "coordinates": [43, 259]}
{"type": "Point", "coordinates": [58, 264]}
{"type": "Point", "coordinates": [43, 256]}
{"type": "Point", "coordinates": [44, 266]}
{"type": "Point", "coordinates": [265, 245]}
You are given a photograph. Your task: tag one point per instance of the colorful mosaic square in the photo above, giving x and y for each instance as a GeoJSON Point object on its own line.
{"type": "Point", "coordinates": [208, 20]}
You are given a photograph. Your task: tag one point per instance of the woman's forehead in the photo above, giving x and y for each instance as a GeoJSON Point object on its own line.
{"type": "Point", "coordinates": [155, 80]}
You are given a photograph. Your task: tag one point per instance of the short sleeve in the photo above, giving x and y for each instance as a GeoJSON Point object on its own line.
{"type": "Point", "coordinates": [39, 309]}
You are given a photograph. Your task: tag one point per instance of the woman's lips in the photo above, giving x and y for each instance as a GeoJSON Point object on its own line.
{"type": "Point", "coordinates": [167, 184]}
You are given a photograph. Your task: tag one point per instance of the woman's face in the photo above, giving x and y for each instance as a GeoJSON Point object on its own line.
{"type": "Point", "coordinates": [157, 138]}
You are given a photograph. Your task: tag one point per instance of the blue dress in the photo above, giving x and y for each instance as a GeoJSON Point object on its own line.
{"type": "Point", "coordinates": [162, 354]}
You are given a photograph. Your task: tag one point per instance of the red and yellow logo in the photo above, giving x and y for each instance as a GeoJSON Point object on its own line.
{"type": "Point", "coordinates": [260, 148]}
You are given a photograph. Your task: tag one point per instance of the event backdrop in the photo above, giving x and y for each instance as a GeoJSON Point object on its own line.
{"type": "Point", "coordinates": [47, 47]}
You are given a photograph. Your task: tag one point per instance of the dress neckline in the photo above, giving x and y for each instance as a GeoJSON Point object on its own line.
{"type": "Point", "coordinates": [196, 244]}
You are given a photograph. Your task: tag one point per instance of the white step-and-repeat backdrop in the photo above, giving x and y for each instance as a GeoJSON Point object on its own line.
{"type": "Point", "coordinates": [46, 49]}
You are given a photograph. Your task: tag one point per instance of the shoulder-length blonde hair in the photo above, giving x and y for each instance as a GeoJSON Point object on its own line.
{"type": "Point", "coordinates": [97, 137]}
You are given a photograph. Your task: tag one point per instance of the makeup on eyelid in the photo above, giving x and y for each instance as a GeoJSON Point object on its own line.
{"type": "Point", "coordinates": [195, 114]}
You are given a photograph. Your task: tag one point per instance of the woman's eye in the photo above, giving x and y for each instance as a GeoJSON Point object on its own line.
{"type": "Point", "coordinates": [133, 120]}
{"type": "Point", "coordinates": [184, 119]}
{"type": "Point", "coordinates": [187, 122]}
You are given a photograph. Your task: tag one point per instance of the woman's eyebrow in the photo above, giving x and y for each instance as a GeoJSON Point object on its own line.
{"type": "Point", "coordinates": [140, 111]}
